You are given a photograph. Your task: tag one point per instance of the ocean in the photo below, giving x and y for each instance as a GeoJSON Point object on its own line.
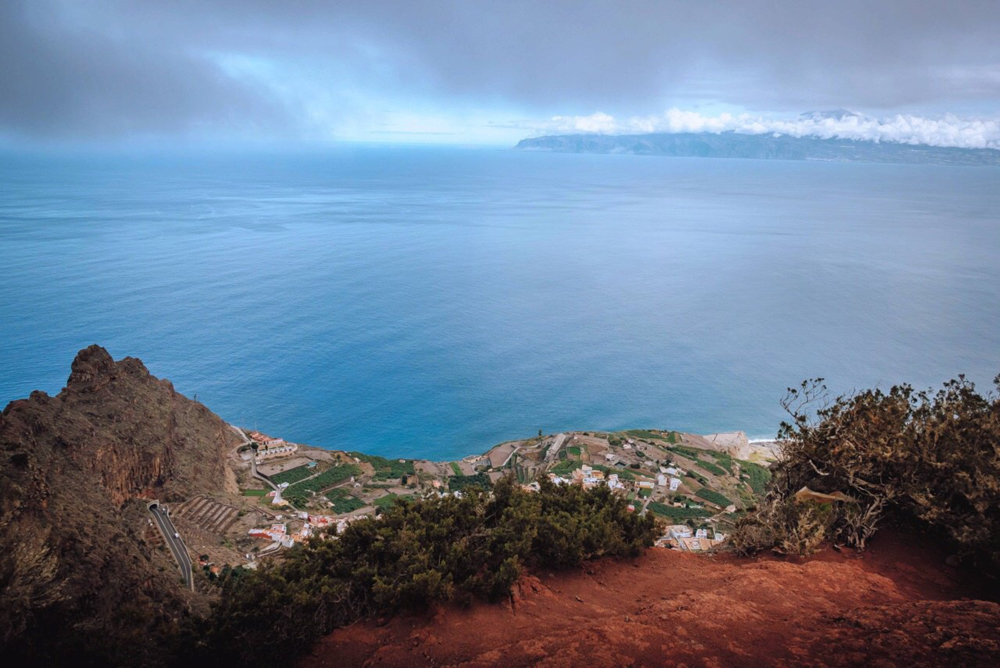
{"type": "Point", "coordinates": [431, 302]}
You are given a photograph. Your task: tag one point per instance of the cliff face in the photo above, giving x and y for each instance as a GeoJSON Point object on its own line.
{"type": "Point", "coordinates": [77, 471]}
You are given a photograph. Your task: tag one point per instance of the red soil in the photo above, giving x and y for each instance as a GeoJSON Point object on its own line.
{"type": "Point", "coordinates": [897, 604]}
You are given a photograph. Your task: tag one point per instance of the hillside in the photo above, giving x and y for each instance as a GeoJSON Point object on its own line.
{"type": "Point", "coordinates": [762, 147]}
{"type": "Point", "coordinates": [898, 605]}
{"type": "Point", "coordinates": [77, 551]}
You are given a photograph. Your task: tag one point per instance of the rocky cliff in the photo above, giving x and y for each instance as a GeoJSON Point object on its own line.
{"type": "Point", "coordinates": [78, 468]}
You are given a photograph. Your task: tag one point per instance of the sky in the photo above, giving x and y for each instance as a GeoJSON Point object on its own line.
{"type": "Point", "coordinates": [108, 72]}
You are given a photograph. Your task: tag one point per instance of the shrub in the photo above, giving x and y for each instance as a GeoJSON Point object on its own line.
{"type": "Point", "coordinates": [414, 554]}
{"type": "Point", "coordinates": [932, 457]}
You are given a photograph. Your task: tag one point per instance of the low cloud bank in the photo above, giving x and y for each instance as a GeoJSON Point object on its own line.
{"type": "Point", "coordinates": [948, 130]}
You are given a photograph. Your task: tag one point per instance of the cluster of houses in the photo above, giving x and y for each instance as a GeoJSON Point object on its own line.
{"type": "Point", "coordinates": [269, 448]}
{"type": "Point", "coordinates": [277, 533]}
{"type": "Point", "coordinates": [681, 537]}
{"type": "Point", "coordinates": [280, 534]}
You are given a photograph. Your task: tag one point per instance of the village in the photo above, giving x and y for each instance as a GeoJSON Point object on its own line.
{"type": "Point", "coordinates": [697, 485]}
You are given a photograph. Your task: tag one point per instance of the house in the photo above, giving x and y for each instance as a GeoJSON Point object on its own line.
{"type": "Point", "coordinates": [674, 484]}
{"type": "Point", "coordinates": [679, 531]}
{"type": "Point", "coordinates": [661, 480]}
{"type": "Point", "coordinates": [701, 533]}
{"type": "Point", "coordinates": [645, 484]}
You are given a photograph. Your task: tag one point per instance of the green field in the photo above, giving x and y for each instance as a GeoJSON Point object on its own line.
{"type": "Point", "coordinates": [299, 493]}
{"type": "Point", "coordinates": [574, 450]}
{"type": "Point", "coordinates": [712, 468]}
{"type": "Point", "coordinates": [255, 492]}
{"type": "Point", "coordinates": [712, 496]}
{"type": "Point", "coordinates": [756, 476]}
{"type": "Point", "coordinates": [566, 467]}
{"type": "Point", "coordinates": [724, 460]}
{"type": "Point", "coordinates": [677, 514]}
{"type": "Point", "coordinates": [292, 476]}
{"type": "Point", "coordinates": [645, 435]}
{"type": "Point", "coordinates": [389, 499]}
{"type": "Point", "coordinates": [455, 467]}
{"type": "Point", "coordinates": [386, 469]}
{"type": "Point", "coordinates": [645, 493]}
{"type": "Point", "coordinates": [343, 502]}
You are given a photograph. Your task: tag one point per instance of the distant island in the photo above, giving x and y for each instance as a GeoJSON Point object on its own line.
{"type": "Point", "coordinates": [763, 147]}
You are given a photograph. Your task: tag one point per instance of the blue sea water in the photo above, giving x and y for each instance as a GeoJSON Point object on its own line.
{"type": "Point", "coordinates": [432, 302]}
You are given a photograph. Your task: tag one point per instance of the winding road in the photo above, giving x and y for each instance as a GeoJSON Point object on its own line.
{"type": "Point", "coordinates": [174, 542]}
{"type": "Point", "coordinates": [253, 459]}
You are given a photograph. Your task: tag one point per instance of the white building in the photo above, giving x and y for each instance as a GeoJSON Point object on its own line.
{"type": "Point", "coordinates": [661, 480]}
{"type": "Point", "coordinates": [679, 531]}
{"type": "Point", "coordinates": [674, 484]}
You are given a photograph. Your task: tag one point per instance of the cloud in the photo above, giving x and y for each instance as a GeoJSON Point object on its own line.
{"type": "Point", "coordinates": [949, 130]}
{"type": "Point", "coordinates": [326, 68]}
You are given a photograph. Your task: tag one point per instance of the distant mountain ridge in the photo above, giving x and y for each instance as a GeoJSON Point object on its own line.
{"type": "Point", "coordinates": [763, 147]}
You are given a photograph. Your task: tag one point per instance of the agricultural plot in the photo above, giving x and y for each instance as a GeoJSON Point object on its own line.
{"type": "Point", "coordinates": [292, 476]}
{"type": "Point", "coordinates": [677, 514]}
{"type": "Point", "coordinates": [299, 493]}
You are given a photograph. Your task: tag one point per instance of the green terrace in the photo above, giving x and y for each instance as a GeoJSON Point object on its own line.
{"type": "Point", "coordinates": [386, 469]}
{"type": "Point", "coordinates": [299, 493]}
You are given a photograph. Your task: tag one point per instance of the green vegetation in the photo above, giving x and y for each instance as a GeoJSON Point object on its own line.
{"type": "Point", "coordinates": [712, 496]}
{"type": "Point", "coordinates": [917, 456]}
{"type": "Point", "coordinates": [711, 468]}
{"type": "Point", "coordinates": [386, 469]}
{"type": "Point", "coordinates": [455, 467]}
{"type": "Point", "coordinates": [461, 482]}
{"type": "Point", "coordinates": [690, 453]}
{"type": "Point", "coordinates": [566, 467]}
{"type": "Point", "coordinates": [697, 476]}
{"type": "Point", "coordinates": [724, 460]}
{"type": "Point", "coordinates": [447, 549]}
{"type": "Point", "coordinates": [255, 492]}
{"type": "Point", "coordinates": [343, 502]}
{"type": "Point", "coordinates": [390, 499]}
{"type": "Point", "coordinates": [300, 493]}
{"type": "Point", "coordinates": [574, 450]}
{"type": "Point", "coordinates": [645, 493]}
{"type": "Point", "coordinates": [292, 476]}
{"type": "Point", "coordinates": [677, 514]}
{"type": "Point", "coordinates": [756, 476]}
{"type": "Point", "coordinates": [644, 434]}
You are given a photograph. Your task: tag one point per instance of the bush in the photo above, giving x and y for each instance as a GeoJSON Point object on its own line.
{"type": "Point", "coordinates": [460, 482]}
{"type": "Point", "coordinates": [447, 549]}
{"type": "Point", "coordinates": [932, 457]}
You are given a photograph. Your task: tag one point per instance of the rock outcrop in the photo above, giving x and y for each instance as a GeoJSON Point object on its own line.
{"type": "Point", "coordinates": [77, 471]}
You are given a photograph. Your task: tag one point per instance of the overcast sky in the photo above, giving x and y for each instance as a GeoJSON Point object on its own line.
{"type": "Point", "coordinates": [475, 72]}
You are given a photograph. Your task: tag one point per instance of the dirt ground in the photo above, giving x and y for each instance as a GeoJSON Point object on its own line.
{"type": "Point", "coordinates": [897, 604]}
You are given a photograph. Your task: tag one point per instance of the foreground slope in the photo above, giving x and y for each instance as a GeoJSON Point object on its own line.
{"type": "Point", "coordinates": [77, 552]}
{"type": "Point", "coordinates": [896, 605]}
